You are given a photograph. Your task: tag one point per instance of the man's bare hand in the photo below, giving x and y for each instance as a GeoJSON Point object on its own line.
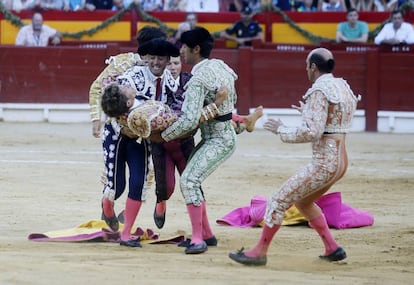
{"type": "Point", "coordinates": [96, 128]}
{"type": "Point", "coordinates": [272, 125]}
{"type": "Point", "coordinates": [300, 107]}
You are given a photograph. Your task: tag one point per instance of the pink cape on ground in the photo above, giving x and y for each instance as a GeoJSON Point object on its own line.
{"type": "Point", "coordinates": [338, 215]}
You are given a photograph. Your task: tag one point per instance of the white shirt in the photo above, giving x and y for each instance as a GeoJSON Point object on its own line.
{"type": "Point", "coordinates": [203, 6]}
{"type": "Point", "coordinates": [404, 33]}
{"type": "Point", "coordinates": [27, 37]}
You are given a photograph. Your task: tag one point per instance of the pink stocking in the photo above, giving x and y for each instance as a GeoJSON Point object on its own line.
{"type": "Point", "coordinates": [320, 225]}
{"type": "Point", "coordinates": [196, 217]}
{"type": "Point", "coordinates": [130, 214]}
{"type": "Point", "coordinates": [160, 208]}
{"type": "Point", "coordinates": [207, 232]}
{"type": "Point", "coordinates": [265, 239]}
{"type": "Point", "coordinates": [238, 118]}
{"type": "Point", "coordinates": [108, 207]}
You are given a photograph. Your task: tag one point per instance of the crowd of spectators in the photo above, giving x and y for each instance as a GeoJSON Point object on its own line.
{"type": "Point", "coordinates": [206, 5]}
{"type": "Point", "coordinates": [243, 32]}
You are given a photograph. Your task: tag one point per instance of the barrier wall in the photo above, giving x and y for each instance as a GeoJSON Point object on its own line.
{"type": "Point", "coordinates": [273, 76]}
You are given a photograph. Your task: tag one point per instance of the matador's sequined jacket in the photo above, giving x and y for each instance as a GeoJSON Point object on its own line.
{"type": "Point", "coordinates": [329, 109]}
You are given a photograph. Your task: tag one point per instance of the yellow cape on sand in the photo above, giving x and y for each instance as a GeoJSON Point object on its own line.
{"type": "Point", "coordinates": [98, 231]}
{"type": "Point", "coordinates": [292, 217]}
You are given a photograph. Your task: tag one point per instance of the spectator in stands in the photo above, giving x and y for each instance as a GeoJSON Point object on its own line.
{"type": "Point", "coordinates": [151, 5]}
{"type": "Point", "coordinates": [255, 5]}
{"type": "Point", "coordinates": [175, 5]}
{"type": "Point", "coordinates": [175, 39]}
{"type": "Point", "coordinates": [283, 5]}
{"type": "Point", "coordinates": [396, 32]}
{"type": "Point", "coordinates": [203, 6]}
{"type": "Point", "coordinates": [37, 34]}
{"type": "Point", "coordinates": [92, 5]}
{"type": "Point", "coordinates": [331, 5]}
{"type": "Point", "coordinates": [353, 30]}
{"type": "Point", "coordinates": [49, 4]}
{"type": "Point", "coordinates": [402, 2]}
{"type": "Point", "coordinates": [244, 31]}
{"type": "Point", "coordinates": [74, 5]}
{"type": "Point", "coordinates": [121, 4]}
{"type": "Point", "coordinates": [307, 6]}
{"type": "Point", "coordinates": [363, 5]}
{"type": "Point", "coordinates": [18, 5]}
{"type": "Point", "coordinates": [189, 24]}
{"type": "Point", "coordinates": [192, 19]}
{"type": "Point", "coordinates": [118, 5]}
{"type": "Point", "coordinates": [386, 5]}
{"type": "Point", "coordinates": [231, 5]}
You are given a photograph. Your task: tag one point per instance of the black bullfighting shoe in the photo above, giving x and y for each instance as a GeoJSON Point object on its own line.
{"type": "Point", "coordinates": [196, 248]}
{"type": "Point", "coordinates": [131, 243]}
{"type": "Point", "coordinates": [337, 255]}
{"type": "Point", "coordinates": [240, 257]}
{"type": "Point", "coordinates": [159, 220]}
{"type": "Point", "coordinates": [112, 222]}
{"type": "Point", "coordinates": [209, 241]}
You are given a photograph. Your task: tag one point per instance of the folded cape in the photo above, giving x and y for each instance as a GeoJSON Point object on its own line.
{"type": "Point", "coordinates": [342, 216]}
{"type": "Point", "coordinates": [98, 231]}
{"type": "Point", "coordinates": [338, 215]}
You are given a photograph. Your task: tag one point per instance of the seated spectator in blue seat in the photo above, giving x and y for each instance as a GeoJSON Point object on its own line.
{"type": "Point", "coordinates": [353, 30]}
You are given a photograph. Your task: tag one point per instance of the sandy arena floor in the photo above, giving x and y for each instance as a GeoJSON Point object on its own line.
{"type": "Point", "coordinates": [49, 180]}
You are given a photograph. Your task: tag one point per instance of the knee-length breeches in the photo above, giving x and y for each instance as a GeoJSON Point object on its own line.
{"type": "Point", "coordinates": [329, 162]}
{"type": "Point", "coordinates": [166, 158]}
{"type": "Point", "coordinates": [208, 155]}
{"type": "Point", "coordinates": [120, 151]}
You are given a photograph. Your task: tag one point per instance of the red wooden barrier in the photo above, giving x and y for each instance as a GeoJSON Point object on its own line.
{"type": "Point", "coordinates": [275, 78]}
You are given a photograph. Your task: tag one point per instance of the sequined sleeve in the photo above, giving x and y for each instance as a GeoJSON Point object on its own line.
{"type": "Point", "coordinates": [116, 66]}
{"type": "Point", "coordinates": [191, 111]}
{"type": "Point", "coordinates": [314, 116]}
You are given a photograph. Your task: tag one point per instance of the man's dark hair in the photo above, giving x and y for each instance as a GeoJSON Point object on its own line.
{"type": "Point", "coordinates": [159, 47]}
{"type": "Point", "coordinates": [149, 33]}
{"type": "Point", "coordinates": [114, 102]}
{"type": "Point", "coordinates": [199, 36]}
{"type": "Point", "coordinates": [350, 10]}
{"type": "Point", "coordinates": [324, 66]}
{"type": "Point", "coordinates": [395, 12]}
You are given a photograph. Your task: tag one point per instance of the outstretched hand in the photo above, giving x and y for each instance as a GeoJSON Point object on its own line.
{"type": "Point", "coordinates": [272, 125]}
{"type": "Point", "coordinates": [300, 107]}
